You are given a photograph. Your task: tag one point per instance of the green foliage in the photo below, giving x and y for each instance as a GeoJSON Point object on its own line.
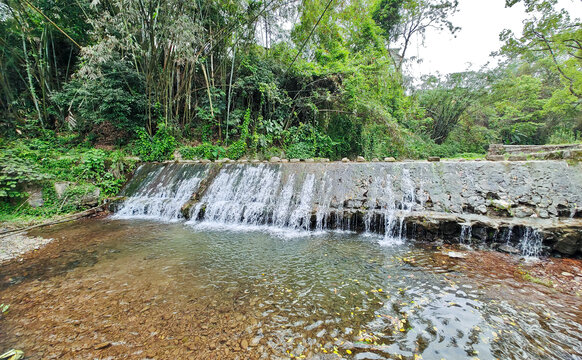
{"type": "Point", "coordinates": [300, 150]}
{"type": "Point", "coordinates": [306, 141]}
{"type": "Point", "coordinates": [204, 151]}
{"type": "Point", "coordinates": [103, 100]}
{"type": "Point", "coordinates": [236, 150]}
{"type": "Point", "coordinates": [565, 136]}
{"type": "Point", "coordinates": [15, 173]}
{"type": "Point", "coordinates": [42, 162]}
{"type": "Point", "coordinates": [159, 147]}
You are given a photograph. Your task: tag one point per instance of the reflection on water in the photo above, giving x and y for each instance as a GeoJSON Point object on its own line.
{"type": "Point", "coordinates": [151, 290]}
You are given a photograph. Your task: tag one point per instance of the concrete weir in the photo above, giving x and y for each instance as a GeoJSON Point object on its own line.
{"type": "Point", "coordinates": [527, 207]}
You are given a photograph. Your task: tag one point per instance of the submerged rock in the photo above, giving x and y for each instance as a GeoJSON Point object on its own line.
{"type": "Point", "coordinates": [456, 255]}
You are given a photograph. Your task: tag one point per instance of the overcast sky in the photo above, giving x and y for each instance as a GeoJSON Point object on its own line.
{"type": "Point", "coordinates": [481, 21]}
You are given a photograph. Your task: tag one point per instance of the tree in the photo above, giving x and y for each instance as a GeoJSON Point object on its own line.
{"type": "Point", "coordinates": [413, 18]}
{"type": "Point", "coordinates": [554, 34]}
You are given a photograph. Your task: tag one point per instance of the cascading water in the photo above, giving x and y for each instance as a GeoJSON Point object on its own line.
{"type": "Point", "coordinates": [374, 198]}
{"type": "Point", "coordinates": [161, 193]}
{"type": "Point", "coordinates": [466, 234]}
{"type": "Point", "coordinates": [530, 243]}
{"type": "Point", "coordinates": [271, 195]}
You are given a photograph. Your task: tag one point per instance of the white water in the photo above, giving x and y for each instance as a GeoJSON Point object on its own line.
{"type": "Point", "coordinates": [466, 234]}
{"type": "Point", "coordinates": [530, 243]}
{"type": "Point", "coordinates": [263, 196]}
{"type": "Point", "coordinates": [162, 196]}
{"type": "Point", "coordinates": [289, 203]}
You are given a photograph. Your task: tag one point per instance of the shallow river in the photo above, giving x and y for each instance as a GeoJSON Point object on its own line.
{"type": "Point", "coordinates": [144, 290]}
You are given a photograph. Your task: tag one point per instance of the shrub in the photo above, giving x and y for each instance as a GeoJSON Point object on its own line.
{"type": "Point", "coordinates": [204, 151]}
{"type": "Point", "coordinates": [236, 150]}
{"type": "Point", "coordinates": [301, 150]}
{"type": "Point", "coordinates": [159, 147]}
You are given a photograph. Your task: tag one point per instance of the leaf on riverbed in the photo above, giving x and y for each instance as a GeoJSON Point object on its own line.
{"type": "Point", "coordinates": [12, 355]}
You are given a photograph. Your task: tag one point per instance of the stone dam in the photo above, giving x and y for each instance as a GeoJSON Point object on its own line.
{"type": "Point", "coordinates": [530, 208]}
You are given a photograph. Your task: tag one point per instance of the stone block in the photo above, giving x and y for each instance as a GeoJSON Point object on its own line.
{"type": "Point", "coordinates": [495, 157]}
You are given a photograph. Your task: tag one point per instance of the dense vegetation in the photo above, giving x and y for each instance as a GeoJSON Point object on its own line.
{"type": "Point", "coordinates": [94, 81]}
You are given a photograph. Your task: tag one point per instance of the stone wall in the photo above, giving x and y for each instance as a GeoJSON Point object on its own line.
{"type": "Point", "coordinates": [439, 200]}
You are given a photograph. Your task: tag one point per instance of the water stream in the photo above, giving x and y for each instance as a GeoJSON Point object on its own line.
{"type": "Point", "coordinates": [163, 290]}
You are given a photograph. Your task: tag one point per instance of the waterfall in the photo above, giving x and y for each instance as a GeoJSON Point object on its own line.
{"type": "Point", "coordinates": [530, 243]}
{"type": "Point", "coordinates": [466, 234]}
{"type": "Point", "coordinates": [159, 194]}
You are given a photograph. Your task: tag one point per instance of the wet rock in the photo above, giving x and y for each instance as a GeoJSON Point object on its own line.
{"type": "Point", "coordinates": [345, 160]}
{"type": "Point", "coordinates": [275, 159]}
{"type": "Point", "coordinates": [569, 243]}
{"type": "Point", "coordinates": [205, 161]}
{"type": "Point", "coordinates": [495, 157]}
{"type": "Point", "coordinates": [255, 161]}
{"type": "Point", "coordinates": [506, 248]}
{"type": "Point", "coordinates": [389, 159]}
{"type": "Point", "coordinates": [434, 159]}
{"type": "Point", "coordinates": [242, 161]}
{"type": "Point", "coordinates": [360, 159]}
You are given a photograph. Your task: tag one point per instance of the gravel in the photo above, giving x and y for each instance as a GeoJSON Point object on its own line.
{"type": "Point", "coordinates": [12, 246]}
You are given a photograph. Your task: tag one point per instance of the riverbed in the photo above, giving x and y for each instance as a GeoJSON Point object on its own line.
{"type": "Point", "coordinates": [149, 290]}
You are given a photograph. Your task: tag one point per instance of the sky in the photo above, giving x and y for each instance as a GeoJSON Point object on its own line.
{"type": "Point", "coordinates": [481, 21]}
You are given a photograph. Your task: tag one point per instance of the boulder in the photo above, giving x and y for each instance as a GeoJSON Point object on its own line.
{"type": "Point", "coordinates": [275, 159]}
{"type": "Point", "coordinates": [309, 160]}
{"type": "Point", "coordinates": [434, 159]}
{"type": "Point", "coordinates": [91, 199]}
{"type": "Point", "coordinates": [569, 243]}
{"type": "Point", "coordinates": [389, 159]}
{"type": "Point", "coordinates": [294, 160]}
{"type": "Point", "coordinates": [360, 159]}
{"type": "Point", "coordinates": [345, 160]}
{"type": "Point", "coordinates": [61, 187]}
{"type": "Point", "coordinates": [34, 196]}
